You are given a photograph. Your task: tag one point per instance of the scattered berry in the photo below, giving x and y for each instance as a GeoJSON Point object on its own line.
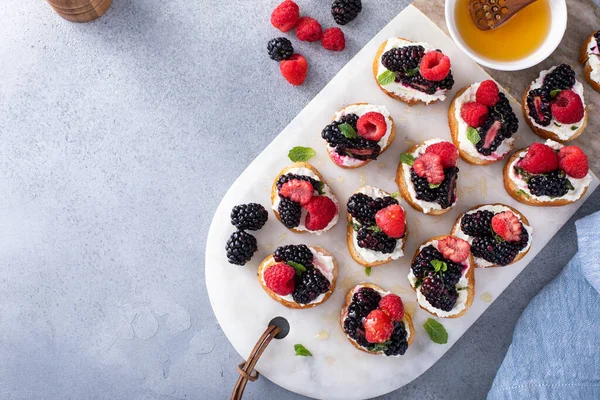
{"type": "Point", "coordinates": [251, 216]}
{"type": "Point", "coordinates": [540, 159]}
{"type": "Point", "coordinates": [562, 77]}
{"type": "Point", "coordinates": [333, 39]}
{"type": "Point", "coordinates": [538, 104]}
{"type": "Point", "coordinates": [372, 126]}
{"type": "Point", "coordinates": [344, 11]}
{"type": "Point", "coordinates": [392, 305]}
{"type": "Point", "coordinates": [299, 253]}
{"type": "Point", "coordinates": [391, 220]}
{"type": "Point", "coordinates": [474, 114]}
{"type": "Point", "coordinates": [280, 278]}
{"type": "Point", "coordinates": [297, 190]}
{"type": "Point", "coordinates": [280, 49]}
{"type": "Point", "coordinates": [308, 30]}
{"type": "Point", "coordinates": [321, 211]}
{"type": "Point", "coordinates": [454, 249]}
{"type": "Point", "coordinates": [294, 69]}
{"type": "Point", "coordinates": [378, 327]}
{"type": "Point", "coordinates": [309, 286]}
{"type": "Point", "coordinates": [567, 107]}
{"type": "Point", "coordinates": [403, 59]}
{"type": "Point", "coordinates": [487, 93]}
{"type": "Point", "coordinates": [447, 151]}
{"type": "Point", "coordinates": [285, 15]}
{"type": "Point", "coordinates": [554, 184]}
{"type": "Point", "coordinates": [429, 166]}
{"type": "Point", "coordinates": [434, 66]}
{"type": "Point", "coordinates": [507, 225]}
{"type": "Point", "coordinates": [573, 161]}
{"type": "Point", "coordinates": [240, 247]}
{"type": "Point", "coordinates": [289, 212]}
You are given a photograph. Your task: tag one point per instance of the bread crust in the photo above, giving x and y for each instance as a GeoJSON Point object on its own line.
{"type": "Point", "coordinates": [352, 249]}
{"type": "Point", "coordinates": [470, 278]}
{"type": "Point", "coordinates": [275, 194]}
{"type": "Point", "coordinates": [513, 190]}
{"type": "Point", "coordinates": [453, 124]}
{"type": "Point", "coordinates": [523, 219]}
{"type": "Point", "coordinates": [344, 313]}
{"type": "Point", "coordinates": [587, 68]}
{"type": "Point", "coordinates": [269, 261]}
{"type": "Point", "coordinates": [403, 187]}
{"type": "Point", "coordinates": [547, 134]}
{"type": "Point", "coordinates": [383, 149]}
{"type": "Point", "coordinates": [408, 100]}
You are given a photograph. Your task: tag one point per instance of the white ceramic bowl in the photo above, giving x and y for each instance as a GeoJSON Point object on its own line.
{"type": "Point", "coordinates": [557, 30]}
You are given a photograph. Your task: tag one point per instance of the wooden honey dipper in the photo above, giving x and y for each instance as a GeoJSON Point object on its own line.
{"type": "Point", "coordinates": [490, 14]}
{"type": "Point", "coordinates": [80, 10]}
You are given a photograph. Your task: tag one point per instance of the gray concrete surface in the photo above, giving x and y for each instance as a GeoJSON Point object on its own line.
{"type": "Point", "coordinates": [118, 139]}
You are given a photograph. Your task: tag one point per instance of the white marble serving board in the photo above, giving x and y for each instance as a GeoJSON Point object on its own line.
{"type": "Point", "coordinates": [337, 370]}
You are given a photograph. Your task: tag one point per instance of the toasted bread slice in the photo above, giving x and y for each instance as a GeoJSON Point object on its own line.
{"type": "Point", "coordinates": [453, 124]}
{"type": "Point", "coordinates": [587, 68]}
{"type": "Point", "coordinates": [348, 299]}
{"type": "Point", "coordinates": [513, 190]}
{"type": "Point", "coordinates": [352, 248]}
{"type": "Point", "coordinates": [390, 120]}
{"type": "Point", "coordinates": [470, 278]}
{"type": "Point", "coordinates": [456, 229]}
{"type": "Point", "coordinates": [270, 261]}
{"type": "Point", "coordinates": [275, 194]}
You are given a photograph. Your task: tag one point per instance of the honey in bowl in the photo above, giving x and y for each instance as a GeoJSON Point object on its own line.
{"type": "Point", "coordinates": [516, 39]}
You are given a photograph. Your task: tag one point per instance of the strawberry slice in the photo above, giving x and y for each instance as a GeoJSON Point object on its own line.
{"type": "Point", "coordinates": [491, 134]}
{"type": "Point", "coordinates": [371, 126]}
{"type": "Point", "coordinates": [429, 166]}
{"type": "Point", "coordinates": [507, 225]}
{"type": "Point", "coordinates": [321, 211]}
{"type": "Point", "coordinates": [378, 327]}
{"type": "Point", "coordinates": [447, 151]}
{"type": "Point", "coordinates": [297, 190]}
{"type": "Point", "coordinates": [391, 220]}
{"type": "Point", "coordinates": [454, 249]}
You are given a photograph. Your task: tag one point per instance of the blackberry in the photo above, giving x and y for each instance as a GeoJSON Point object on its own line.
{"type": "Point", "coordinates": [240, 247]}
{"type": "Point", "coordinates": [421, 266]}
{"type": "Point", "coordinates": [447, 189]}
{"type": "Point", "coordinates": [374, 240]}
{"type": "Point", "coordinates": [363, 302]}
{"type": "Point", "coordinates": [523, 241]}
{"type": "Point", "coordinates": [504, 112]}
{"type": "Point", "coordinates": [447, 83]}
{"type": "Point", "coordinates": [452, 274]}
{"type": "Point", "coordinates": [554, 184]}
{"type": "Point", "coordinates": [424, 192]}
{"type": "Point", "coordinates": [538, 106]}
{"type": "Point", "coordinates": [250, 216]}
{"type": "Point", "coordinates": [478, 223]}
{"type": "Point", "coordinates": [488, 248]}
{"type": "Point", "coordinates": [344, 11]}
{"type": "Point", "coordinates": [398, 342]}
{"type": "Point", "coordinates": [288, 177]}
{"type": "Point", "coordinates": [597, 36]}
{"type": "Point", "coordinates": [359, 148]}
{"type": "Point", "coordinates": [280, 49]}
{"type": "Point", "coordinates": [350, 119]}
{"type": "Point", "coordinates": [289, 212]}
{"type": "Point", "coordinates": [492, 133]}
{"type": "Point", "coordinates": [437, 294]}
{"type": "Point", "coordinates": [421, 84]}
{"type": "Point", "coordinates": [353, 327]}
{"type": "Point", "coordinates": [300, 254]}
{"type": "Point", "coordinates": [309, 286]}
{"type": "Point", "coordinates": [363, 208]}
{"type": "Point", "coordinates": [561, 77]}
{"type": "Point", "coordinates": [403, 59]}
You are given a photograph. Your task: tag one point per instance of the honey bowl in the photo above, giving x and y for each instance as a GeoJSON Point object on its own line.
{"type": "Point", "coordinates": [527, 39]}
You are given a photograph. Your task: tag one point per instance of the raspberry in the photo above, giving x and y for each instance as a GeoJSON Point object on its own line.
{"type": "Point", "coordinates": [378, 327]}
{"type": "Point", "coordinates": [280, 279]}
{"type": "Point", "coordinates": [487, 93]}
{"type": "Point", "coordinates": [454, 249]}
{"type": "Point", "coordinates": [333, 39]}
{"type": "Point", "coordinates": [429, 165]}
{"type": "Point", "coordinates": [573, 161]}
{"type": "Point", "coordinates": [447, 151]}
{"type": "Point", "coordinates": [540, 159]}
{"type": "Point", "coordinates": [507, 225]}
{"type": "Point", "coordinates": [567, 107]}
{"type": "Point", "coordinates": [297, 190]}
{"type": "Point", "coordinates": [321, 210]}
{"type": "Point", "coordinates": [435, 66]}
{"type": "Point", "coordinates": [474, 114]}
{"type": "Point", "coordinates": [308, 29]}
{"type": "Point", "coordinates": [294, 69]}
{"type": "Point", "coordinates": [372, 126]}
{"type": "Point", "coordinates": [285, 15]}
{"type": "Point", "coordinates": [392, 306]}
{"type": "Point", "coordinates": [391, 220]}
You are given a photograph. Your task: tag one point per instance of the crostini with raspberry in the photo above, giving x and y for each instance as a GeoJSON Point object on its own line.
{"type": "Point", "coordinates": [589, 57]}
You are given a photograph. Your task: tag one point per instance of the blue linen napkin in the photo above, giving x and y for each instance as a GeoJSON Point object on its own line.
{"type": "Point", "coordinates": [555, 353]}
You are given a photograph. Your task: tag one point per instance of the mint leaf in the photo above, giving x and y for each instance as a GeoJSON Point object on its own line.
{"type": "Point", "coordinates": [522, 193]}
{"type": "Point", "coordinates": [498, 238]}
{"type": "Point", "coordinates": [386, 77]}
{"type": "Point", "coordinates": [395, 194]}
{"type": "Point", "coordinates": [411, 72]}
{"type": "Point", "coordinates": [554, 93]}
{"type": "Point", "coordinates": [319, 187]}
{"type": "Point", "coordinates": [436, 331]}
{"type": "Point", "coordinates": [380, 346]}
{"type": "Point", "coordinates": [374, 228]}
{"type": "Point", "coordinates": [297, 266]}
{"type": "Point", "coordinates": [574, 127]}
{"type": "Point", "coordinates": [526, 175]}
{"type": "Point", "coordinates": [418, 283]}
{"type": "Point", "coordinates": [368, 271]}
{"type": "Point", "coordinates": [348, 131]}
{"type": "Point", "coordinates": [473, 135]}
{"type": "Point", "coordinates": [355, 225]}
{"type": "Point", "coordinates": [570, 185]}
{"type": "Point", "coordinates": [439, 265]}
{"type": "Point", "coordinates": [559, 125]}
{"type": "Point", "coordinates": [407, 158]}
{"type": "Point", "coordinates": [432, 186]}
{"type": "Point", "coordinates": [302, 351]}
{"type": "Point", "coordinates": [300, 153]}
